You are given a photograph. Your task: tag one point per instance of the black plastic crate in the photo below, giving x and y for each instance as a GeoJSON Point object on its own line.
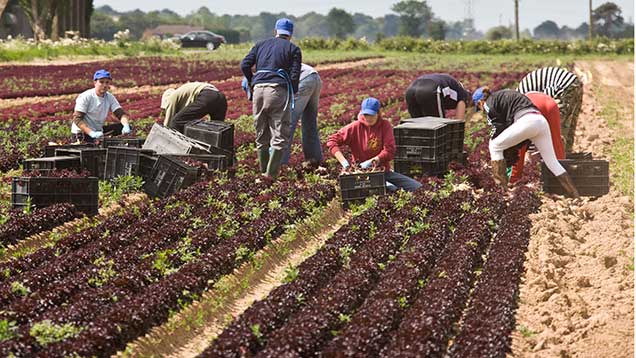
{"type": "Point", "coordinates": [581, 155]}
{"type": "Point", "coordinates": [41, 192]}
{"type": "Point", "coordinates": [122, 161]}
{"type": "Point", "coordinates": [48, 164]}
{"type": "Point", "coordinates": [169, 175]}
{"type": "Point", "coordinates": [419, 168]}
{"type": "Point", "coordinates": [591, 177]}
{"type": "Point", "coordinates": [108, 142]}
{"type": "Point", "coordinates": [167, 141]}
{"type": "Point", "coordinates": [212, 161]}
{"type": "Point", "coordinates": [217, 134]}
{"type": "Point", "coordinates": [49, 150]}
{"type": "Point", "coordinates": [421, 134]}
{"type": "Point", "coordinates": [421, 153]}
{"type": "Point", "coordinates": [91, 159]}
{"type": "Point", "coordinates": [355, 188]}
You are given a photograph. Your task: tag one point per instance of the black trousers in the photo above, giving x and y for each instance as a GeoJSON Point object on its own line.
{"type": "Point", "coordinates": [423, 100]}
{"type": "Point", "coordinates": [208, 102]}
{"type": "Point", "coordinates": [109, 130]}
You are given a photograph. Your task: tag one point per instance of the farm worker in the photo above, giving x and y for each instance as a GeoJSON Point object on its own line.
{"type": "Point", "coordinates": [192, 101]}
{"type": "Point", "coordinates": [372, 144]}
{"type": "Point", "coordinates": [433, 94]}
{"type": "Point", "coordinates": [273, 87]}
{"type": "Point", "coordinates": [564, 87]}
{"type": "Point", "coordinates": [306, 109]}
{"type": "Point", "coordinates": [514, 119]}
{"type": "Point", "coordinates": [91, 110]}
{"type": "Point", "coordinates": [550, 110]}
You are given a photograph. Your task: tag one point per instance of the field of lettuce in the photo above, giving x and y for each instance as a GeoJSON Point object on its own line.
{"type": "Point", "coordinates": [434, 273]}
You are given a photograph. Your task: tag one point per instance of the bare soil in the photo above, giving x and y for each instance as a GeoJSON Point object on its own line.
{"type": "Point", "coordinates": [578, 291]}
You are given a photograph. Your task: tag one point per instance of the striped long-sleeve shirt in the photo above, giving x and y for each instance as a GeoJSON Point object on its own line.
{"type": "Point", "coordinates": [549, 80]}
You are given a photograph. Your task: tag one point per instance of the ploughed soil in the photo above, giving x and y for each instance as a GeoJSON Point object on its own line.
{"type": "Point", "coordinates": [578, 291]}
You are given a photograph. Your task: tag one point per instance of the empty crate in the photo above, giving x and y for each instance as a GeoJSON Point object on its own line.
{"type": "Point", "coordinates": [217, 134]}
{"type": "Point", "coordinates": [356, 188]}
{"type": "Point", "coordinates": [40, 192]}
{"type": "Point", "coordinates": [167, 141]}
{"type": "Point", "coordinates": [91, 159]}
{"type": "Point", "coordinates": [591, 177]}
{"type": "Point", "coordinates": [122, 142]}
{"type": "Point", "coordinates": [122, 161]}
{"type": "Point", "coordinates": [211, 161]}
{"type": "Point", "coordinates": [49, 150]}
{"type": "Point", "coordinates": [48, 164]}
{"type": "Point", "coordinates": [169, 175]}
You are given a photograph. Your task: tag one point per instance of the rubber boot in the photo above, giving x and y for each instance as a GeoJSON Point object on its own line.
{"type": "Point", "coordinates": [499, 173]}
{"type": "Point", "coordinates": [274, 163]}
{"type": "Point", "coordinates": [263, 159]}
{"type": "Point", "coordinates": [568, 185]}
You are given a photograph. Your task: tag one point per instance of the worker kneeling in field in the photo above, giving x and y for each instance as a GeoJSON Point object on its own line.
{"type": "Point", "coordinates": [306, 110]}
{"type": "Point", "coordinates": [565, 88]}
{"type": "Point", "coordinates": [550, 110]}
{"type": "Point", "coordinates": [275, 83]}
{"type": "Point", "coordinates": [92, 108]}
{"type": "Point", "coordinates": [372, 145]}
{"type": "Point", "coordinates": [192, 101]}
{"type": "Point", "coordinates": [434, 94]}
{"type": "Point", "coordinates": [515, 119]}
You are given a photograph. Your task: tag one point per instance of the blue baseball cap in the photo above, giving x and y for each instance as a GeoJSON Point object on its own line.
{"type": "Point", "coordinates": [370, 106]}
{"type": "Point", "coordinates": [101, 74]}
{"type": "Point", "coordinates": [284, 26]}
{"type": "Point", "coordinates": [478, 96]}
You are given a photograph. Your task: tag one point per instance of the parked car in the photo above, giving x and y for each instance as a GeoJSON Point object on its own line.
{"type": "Point", "coordinates": [206, 39]}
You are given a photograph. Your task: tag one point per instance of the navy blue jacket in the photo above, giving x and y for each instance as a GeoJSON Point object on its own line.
{"type": "Point", "coordinates": [272, 54]}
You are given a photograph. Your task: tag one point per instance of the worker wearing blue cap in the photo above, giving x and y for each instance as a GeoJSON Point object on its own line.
{"type": "Point", "coordinates": [92, 108]}
{"type": "Point", "coordinates": [273, 87]}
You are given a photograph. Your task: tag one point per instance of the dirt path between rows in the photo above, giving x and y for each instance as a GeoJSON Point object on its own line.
{"type": "Point", "coordinates": [11, 102]}
{"type": "Point", "coordinates": [577, 294]}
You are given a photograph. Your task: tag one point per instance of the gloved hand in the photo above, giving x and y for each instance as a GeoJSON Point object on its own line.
{"type": "Point", "coordinates": [346, 164]}
{"type": "Point", "coordinates": [246, 87]}
{"type": "Point", "coordinates": [367, 164]}
{"type": "Point", "coordinates": [125, 129]}
{"type": "Point", "coordinates": [96, 134]}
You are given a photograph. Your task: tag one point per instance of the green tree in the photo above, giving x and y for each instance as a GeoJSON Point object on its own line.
{"type": "Point", "coordinates": [103, 26]}
{"type": "Point", "coordinates": [547, 30]}
{"type": "Point", "coordinates": [608, 20]}
{"type": "Point", "coordinates": [137, 22]}
{"type": "Point", "coordinates": [436, 29]}
{"type": "Point", "coordinates": [414, 17]}
{"type": "Point", "coordinates": [340, 23]}
{"type": "Point", "coordinates": [40, 14]}
{"type": "Point", "coordinates": [499, 32]}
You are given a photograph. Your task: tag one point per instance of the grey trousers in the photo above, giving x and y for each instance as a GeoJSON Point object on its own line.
{"type": "Point", "coordinates": [272, 119]}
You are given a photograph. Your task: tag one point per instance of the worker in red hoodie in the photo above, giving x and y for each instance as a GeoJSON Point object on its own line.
{"type": "Point", "coordinates": [372, 145]}
{"type": "Point", "coordinates": [550, 110]}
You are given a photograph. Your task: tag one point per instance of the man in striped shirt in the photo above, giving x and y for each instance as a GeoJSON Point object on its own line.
{"type": "Point", "coordinates": [565, 88]}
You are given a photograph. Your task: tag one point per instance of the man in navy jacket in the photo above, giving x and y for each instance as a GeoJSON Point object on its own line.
{"type": "Point", "coordinates": [274, 85]}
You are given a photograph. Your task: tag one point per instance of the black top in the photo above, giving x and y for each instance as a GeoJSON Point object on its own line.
{"type": "Point", "coordinates": [501, 108]}
{"type": "Point", "coordinates": [273, 54]}
{"type": "Point", "coordinates": [452, 90]}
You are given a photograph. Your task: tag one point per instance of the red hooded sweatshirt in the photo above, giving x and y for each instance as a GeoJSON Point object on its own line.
{"type": "Point", "coordinates": [366, 141]}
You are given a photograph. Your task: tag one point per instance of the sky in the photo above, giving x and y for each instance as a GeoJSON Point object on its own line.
{"type": "Point", "coordinates": [487, 13]}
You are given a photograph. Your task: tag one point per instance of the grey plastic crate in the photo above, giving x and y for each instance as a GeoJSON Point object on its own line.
{"type": "Point", "coordinates": [167, 141]}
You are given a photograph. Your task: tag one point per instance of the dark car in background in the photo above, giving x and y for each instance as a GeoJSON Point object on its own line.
{"type": "Point", "coordinates": [206, 39]}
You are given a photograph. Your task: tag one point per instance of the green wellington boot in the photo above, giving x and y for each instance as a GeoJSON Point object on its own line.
{"type": "Point", "coordinates": [263, 159]}
{"type": "Point", "coordinates": [274, 163]}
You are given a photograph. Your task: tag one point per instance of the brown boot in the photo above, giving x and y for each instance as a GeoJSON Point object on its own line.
{"type": "Point", "coordinates": [568, 185]}
{"type": "Point", "coordinates": [499, 173]}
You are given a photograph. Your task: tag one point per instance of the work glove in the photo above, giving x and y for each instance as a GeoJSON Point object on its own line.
{"type": "Point", "coordinates": [96, 134]}
{"type": "Point", "coordinates": [346, 164]}
{"type": "Point", "coordinates": [367, 164]}
{"type": "Point", "coordinates": [246, 87]}
{"type": "Point", "coordinates": [125, 129]}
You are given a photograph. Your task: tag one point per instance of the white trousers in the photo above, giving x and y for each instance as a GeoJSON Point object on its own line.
{"type": "Point", "coordinates": [532, 126]}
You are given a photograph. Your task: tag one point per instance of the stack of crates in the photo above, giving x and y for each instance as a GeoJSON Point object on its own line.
{"type": "Point", "coordinates": [355, 188]}
{"type": "Point", "coordinates": [91, 159]}
{"type": "Point", "coordinates": [590, 177]}
{"type": "Point", "coordinates": [40, 192]}
{"type": "Point", "coordinates": [455, 131]}
{"type": "Point", "coordinates": [121, 161]}
{"type": "Point", "coordinates": [219, 135]}
{"type": "Point", "coordinates": [421, 148]}
{"type": "Point", "coordinates": [169, 175]}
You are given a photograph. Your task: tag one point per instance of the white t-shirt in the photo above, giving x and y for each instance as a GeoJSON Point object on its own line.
{"type": "Point", "coordinates": [306, 70]}
{"type": "Point", "coordinates": [96, 109]}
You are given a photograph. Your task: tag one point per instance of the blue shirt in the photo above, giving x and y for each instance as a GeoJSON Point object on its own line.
{"type": "Point", "coordinates": [272, 54]}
